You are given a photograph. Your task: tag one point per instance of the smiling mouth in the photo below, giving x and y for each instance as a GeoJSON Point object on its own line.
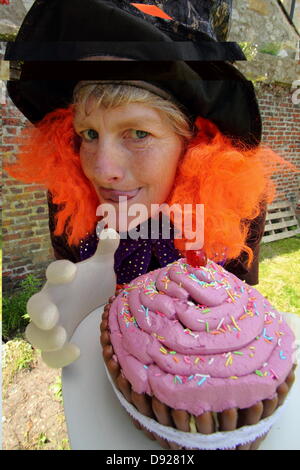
{"type": "Point", "coordinates": [114, 195]}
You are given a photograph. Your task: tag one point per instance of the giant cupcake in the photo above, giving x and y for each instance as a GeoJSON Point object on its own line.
{"type": "Point", "coordinates": [198, 358]}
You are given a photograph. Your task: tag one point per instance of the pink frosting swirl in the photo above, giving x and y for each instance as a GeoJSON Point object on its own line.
{"type": "Point", "coordinates": [199, 339]}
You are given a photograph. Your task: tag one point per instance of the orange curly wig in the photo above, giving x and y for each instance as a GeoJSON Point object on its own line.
{"type": "Point", "coordinates": [231, 182]}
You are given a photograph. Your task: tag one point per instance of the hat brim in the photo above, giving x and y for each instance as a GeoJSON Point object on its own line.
{"type": "Point", "coordinates": [228, 102]}
{"type": "Point", "coordinates": [197, 74]}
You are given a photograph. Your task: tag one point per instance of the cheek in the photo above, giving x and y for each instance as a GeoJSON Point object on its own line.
{"type": "Point", "coordinates": [162, 169]}
{"type": "Point", "coordinates": [87, 161]}
{"type": "Point", "coordinates": [165, 161]}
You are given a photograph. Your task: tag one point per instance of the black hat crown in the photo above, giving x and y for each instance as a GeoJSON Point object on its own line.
{"type": "Point", "coordinates": [187, 32]}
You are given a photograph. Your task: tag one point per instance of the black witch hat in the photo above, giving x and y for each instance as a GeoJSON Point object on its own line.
{"type": "Point", "coordinates": [175, 45]}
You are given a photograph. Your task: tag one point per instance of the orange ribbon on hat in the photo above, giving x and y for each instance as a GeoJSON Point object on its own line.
{"type": "Point", "coordinates": [152, 10]}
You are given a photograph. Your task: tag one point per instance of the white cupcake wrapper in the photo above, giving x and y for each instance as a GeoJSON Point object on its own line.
{"type": "Point", "coordinates": [217, 440]}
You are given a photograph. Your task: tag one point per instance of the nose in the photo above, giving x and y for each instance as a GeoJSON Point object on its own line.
{"type": "Point", "coordinates": [109, 161]}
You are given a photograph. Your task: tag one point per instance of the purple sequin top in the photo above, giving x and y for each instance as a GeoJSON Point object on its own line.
{"type": "Point", "coordinates": [136, 257]}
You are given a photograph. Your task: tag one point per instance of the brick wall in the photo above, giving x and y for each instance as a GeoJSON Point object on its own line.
{"type": "Point", "coordinates": [281, 131]}
{"type": "Point", "coordinates": [26, 241]}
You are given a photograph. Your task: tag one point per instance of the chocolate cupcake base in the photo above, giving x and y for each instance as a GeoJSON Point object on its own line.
{"type": "Point", "coordinates": [207, 423]}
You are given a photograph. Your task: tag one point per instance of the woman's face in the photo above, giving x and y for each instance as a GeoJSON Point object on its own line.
{"type": "Point", "coordinates": [130, 151]}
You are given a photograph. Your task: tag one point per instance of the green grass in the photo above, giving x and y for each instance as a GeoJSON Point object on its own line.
{"type": "Point", "coordinates": [1, 285]}
{"type": "Point", "coordinates": [7, 37]}
{"type": "Point", "coordinates": [18, 354]}
{"type": "Point", "coordinates": [279, 274]}
{"type": "Point", "coordinates": [1, 282]}
{"type": "Point", "coordinates": [15, 318]}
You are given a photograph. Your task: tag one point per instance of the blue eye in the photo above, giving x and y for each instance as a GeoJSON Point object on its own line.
{"type": "Point", "coordinates": [138, 134]}
{"type": "Point", "coordinates": [89, 135]}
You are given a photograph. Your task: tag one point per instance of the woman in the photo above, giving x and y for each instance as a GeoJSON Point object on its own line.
{"type": "Point", "coordinates": [203, 147]}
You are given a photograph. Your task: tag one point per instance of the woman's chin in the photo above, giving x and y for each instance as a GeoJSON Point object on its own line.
{"type": "Point", "coordinates": [121, 216]}
{"type": "Point", "coordinates": [128, 224]}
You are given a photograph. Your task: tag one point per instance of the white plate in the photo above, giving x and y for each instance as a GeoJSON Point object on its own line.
{"type": "Point", "coordinates": [96, 420]}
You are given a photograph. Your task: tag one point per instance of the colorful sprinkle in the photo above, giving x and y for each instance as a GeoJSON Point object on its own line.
{"type": "Point", "coordinates": [281, 354]}
{"type": "Point", "coordinates": [220, 324]}
{"type": "Point", "coordinates": [177, 379]}
{"type": "Point", "coordinates": [255, 309]}
{"type": "Point", "coordinates": [267, 341]}
{"type": "Point", "coordinates": [259, 372]}
{"type": "Point", "coordinates": [234, 322]}
{"type": "Point", "coordinates": [231, 296]}
{"type": "Point", "coordinates": [189, 332]}
{"type": "Point", "coordinates": [229, 360]}
{"type": "Point", "coordinates": [277, 333]}
{"type": "Point", "coordinates": [160, 313]}
{"type": "Point", "coordinates": [163, 350]}
{"type": "Point", "coordinates": [194, 278]}
{"type": "Point", "coordinates": [275, 376]}
{"type": "Point", "coordinates": [201, 381]}
{"type": "Point", "coordinates": [266, 336]}
{"type": "Point", "coordinates": [158, 337]}
{"type": "Point", "coordinates": [243, 316]}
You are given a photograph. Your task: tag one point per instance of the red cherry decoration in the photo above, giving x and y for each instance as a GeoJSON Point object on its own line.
{"type": "Point", "coordinates": [196, 258]}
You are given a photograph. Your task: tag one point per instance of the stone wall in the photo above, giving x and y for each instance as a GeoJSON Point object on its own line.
{"type": "Point", "coordinates": [261, 22]}
{"type": "Point", "coordinates": [12, 15]}
{"type": "Point", "coordinates": [264, 27]}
